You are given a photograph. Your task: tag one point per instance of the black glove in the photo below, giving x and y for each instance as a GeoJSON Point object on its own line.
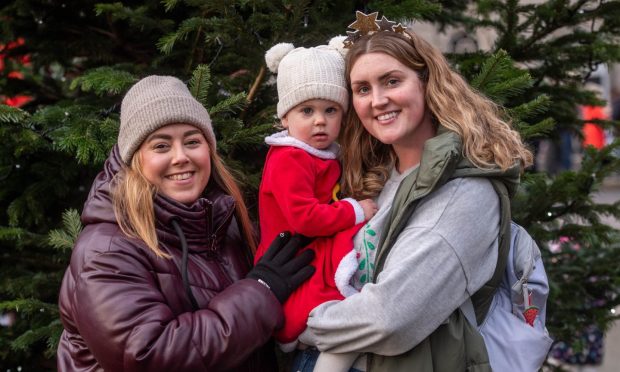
{"type": "Point", "coordinates": [282, 271]}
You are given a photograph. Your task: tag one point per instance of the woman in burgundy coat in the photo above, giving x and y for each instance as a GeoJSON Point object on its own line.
{"type": "Point", "coordinates": [160, 277]}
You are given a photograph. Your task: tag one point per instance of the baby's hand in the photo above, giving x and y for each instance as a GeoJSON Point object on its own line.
{"type": "Point", "coordinates": [369, 207]}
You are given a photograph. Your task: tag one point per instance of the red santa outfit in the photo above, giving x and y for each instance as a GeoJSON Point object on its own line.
{"type": "Point", "coordinates": [294, 195]}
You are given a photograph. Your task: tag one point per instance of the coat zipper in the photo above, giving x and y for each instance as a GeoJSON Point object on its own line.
{"type": "Point", "coordinates": [212, 250]}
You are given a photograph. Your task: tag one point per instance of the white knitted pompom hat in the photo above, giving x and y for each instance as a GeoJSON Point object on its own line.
{"type": "Point", "coordinates": [155, 102]}
{"type": "Point", "coordinates": [308, 73]}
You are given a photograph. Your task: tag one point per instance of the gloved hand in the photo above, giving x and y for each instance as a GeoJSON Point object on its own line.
{"type": "Point", "coordinates": [279, 268]}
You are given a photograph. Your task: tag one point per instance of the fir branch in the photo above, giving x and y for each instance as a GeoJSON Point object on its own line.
{"type": "Point", "coordinates": [9, 114]}
{"type": "Point", "coordinates": [541, 128]}
{"type": "Point", "coordinates": [23, 283]}
{"type": "Point", "coordinates": [166, 43]}
{"type": "Point", "coordinates": [86, 137]}
{"type": "Point", "coordinates": [29, 307]}
{"type": "Point", "coordinates": [248, 137]}
{"type": "Point", "coordinates": [25, 206]}
{"type": "Point", "coordinates": [200, 83]}
{"type": "Point", "coordinates": [104, 80]}
{"type": "Point", "coordinates": [231, 104]}
{"type": "Point", "coordinates": [117, 9]}
{"type": "Point", "coordinates": [551, 19]}
{"type": "Point", "coordinates": [537, 106]}
{"type": "Point", "coordinates": [499, 79]}
{"type": "Point", "coordinates": [64, 239]}
{"type": "Point", "coordinates": [55, 328]}
{"type": "Point", "coordinates": [138, 17]}
{"type": "Point", "coordinates": [50, 332]}
{"type": "Point", "coordinates": [11, 233]}
{"type": "Point", "coordinates": [509, 87]}
{"type": "Point", "coordinates": [415, 9]}
{"type": "Point", "coordinates": [488, 73]}
{"type": "Point", "coordinates": [21, 237]}
{"type": "Point", "coordinates": [170, 4]}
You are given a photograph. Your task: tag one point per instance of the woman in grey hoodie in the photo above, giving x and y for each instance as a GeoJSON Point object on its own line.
{"type": "Point", "coordinates": [433, 242]}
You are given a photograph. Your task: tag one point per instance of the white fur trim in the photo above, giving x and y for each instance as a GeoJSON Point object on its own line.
{"type": "Point", "coordinates": [275, 54]}
{"type": "Point", "coordinates": [289, 346]}
{"type": "Point", "coordinates": [283, 139]}
{"type": "Point", "coordinates": [357, 208]}
{"type": "Point", "coordinates": [345, 271]}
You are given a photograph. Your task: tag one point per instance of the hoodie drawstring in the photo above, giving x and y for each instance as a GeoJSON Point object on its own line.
{"type": "Point", "coordinates": [188, 289]}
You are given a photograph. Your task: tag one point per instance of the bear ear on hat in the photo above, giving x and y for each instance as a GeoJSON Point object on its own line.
{"type": "Point", "coordinates": [276, 54]}
{"type": "Point", "coordinates": [337, 42]}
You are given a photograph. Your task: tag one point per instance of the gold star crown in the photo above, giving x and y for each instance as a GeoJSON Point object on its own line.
{"type": "Point", "coordinates": [367, 24]}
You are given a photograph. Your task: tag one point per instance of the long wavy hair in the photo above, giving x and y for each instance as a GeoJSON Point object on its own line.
{"type": "Point", "coordinates": [487, 134]}
{"type": "Point", "coordinates": [133, 197]}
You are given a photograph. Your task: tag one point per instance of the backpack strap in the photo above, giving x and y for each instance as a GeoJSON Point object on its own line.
{"type": "Point", "coordinates": [482, 299]}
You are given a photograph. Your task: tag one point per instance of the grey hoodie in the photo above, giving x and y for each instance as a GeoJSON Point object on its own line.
{"type": "Point", "coordinates": [439, 257]}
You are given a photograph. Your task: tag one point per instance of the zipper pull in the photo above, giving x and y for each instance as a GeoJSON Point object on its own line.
{"type": "Point", "coordinates": [526, 295]}
{"type": "Point", "coordinates": [212, 243]}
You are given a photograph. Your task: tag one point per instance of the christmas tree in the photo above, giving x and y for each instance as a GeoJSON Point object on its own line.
{"type": "Point", "coordinates": [73, 61]}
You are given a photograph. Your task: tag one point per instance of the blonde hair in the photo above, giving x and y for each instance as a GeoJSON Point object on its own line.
{"type": "Point", "coordinates": [487, 134]}
{"type": "Point", "coordinates": [133, 197]}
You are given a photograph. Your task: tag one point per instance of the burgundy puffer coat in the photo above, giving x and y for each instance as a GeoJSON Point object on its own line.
{"type": "Point", "coordinates": [124, 309]}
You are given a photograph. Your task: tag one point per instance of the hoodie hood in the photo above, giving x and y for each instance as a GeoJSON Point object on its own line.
{"type": "Point", "coordinates": [442, 159]}
{"type": "Point", "coordinates": [98, 205]}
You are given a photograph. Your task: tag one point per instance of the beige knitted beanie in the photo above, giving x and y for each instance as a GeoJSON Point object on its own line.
{"type": "Point", "coordinates": [308, 73]}
{"type": "Point", "coordinates": [155, 102]}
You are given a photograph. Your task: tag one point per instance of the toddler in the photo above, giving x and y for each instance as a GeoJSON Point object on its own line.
{"type": "Point", "coordinates": [301, 173]}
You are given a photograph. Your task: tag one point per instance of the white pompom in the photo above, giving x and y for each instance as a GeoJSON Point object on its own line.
{"type": "Point", "coordinates": [337, 43]}
{"type": "Point", "coordinates": [275, 55]}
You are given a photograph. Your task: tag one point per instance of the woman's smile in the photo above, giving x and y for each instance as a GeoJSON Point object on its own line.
{"type": "Point", "coordinates": [176, 159]}
{"type": "Point", "coordinates": [387, 117]}
{"type": "Point", "coordinates": [180, 176]}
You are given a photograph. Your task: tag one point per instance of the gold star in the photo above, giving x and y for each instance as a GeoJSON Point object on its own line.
{"type": "Point", "coordinates": [399, 29]}
{"type": "Point", "coordinates": [385, 24]}
{"type": "Point", "coordinates": [352, 37]}
{"type": "Point", "coordinates": [365, 23]}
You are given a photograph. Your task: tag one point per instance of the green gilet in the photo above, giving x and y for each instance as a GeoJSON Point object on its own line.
{"type": "Point", "coordinates": [456, 345]}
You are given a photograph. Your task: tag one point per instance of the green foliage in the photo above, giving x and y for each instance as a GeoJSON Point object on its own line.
{"type": "Point", "coordinates": [536, 107]}
{"type": "Point", "coordinates": [85, 55]}
{"type": "Point", "coordinates": [28, 307]}
{"type": "Point", "coordinates": [138, 17]}
{"type": "Point", "coordinates": [200, 83]}
{"type": "Point", "coordinates": [188, 26]}
{"type": "Point", "coordinates": [46, 317]}
{"type": "Point", "coordinates": [87, 137]}
{"type": "Point", "coordinates": [50, 333]}
{"type": "Point", "coordinates": [415, 9]}
{"type": "Point", "coordinates": [230, 105]}
{"type": "Point", "coordinates": [104, 80]}
{"type": "Point", "coordinates": [13, 115]}
{"type": "Point", "coordinates": [65, 239]}
{"type": "Point", "coordinates": [499, 79]}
